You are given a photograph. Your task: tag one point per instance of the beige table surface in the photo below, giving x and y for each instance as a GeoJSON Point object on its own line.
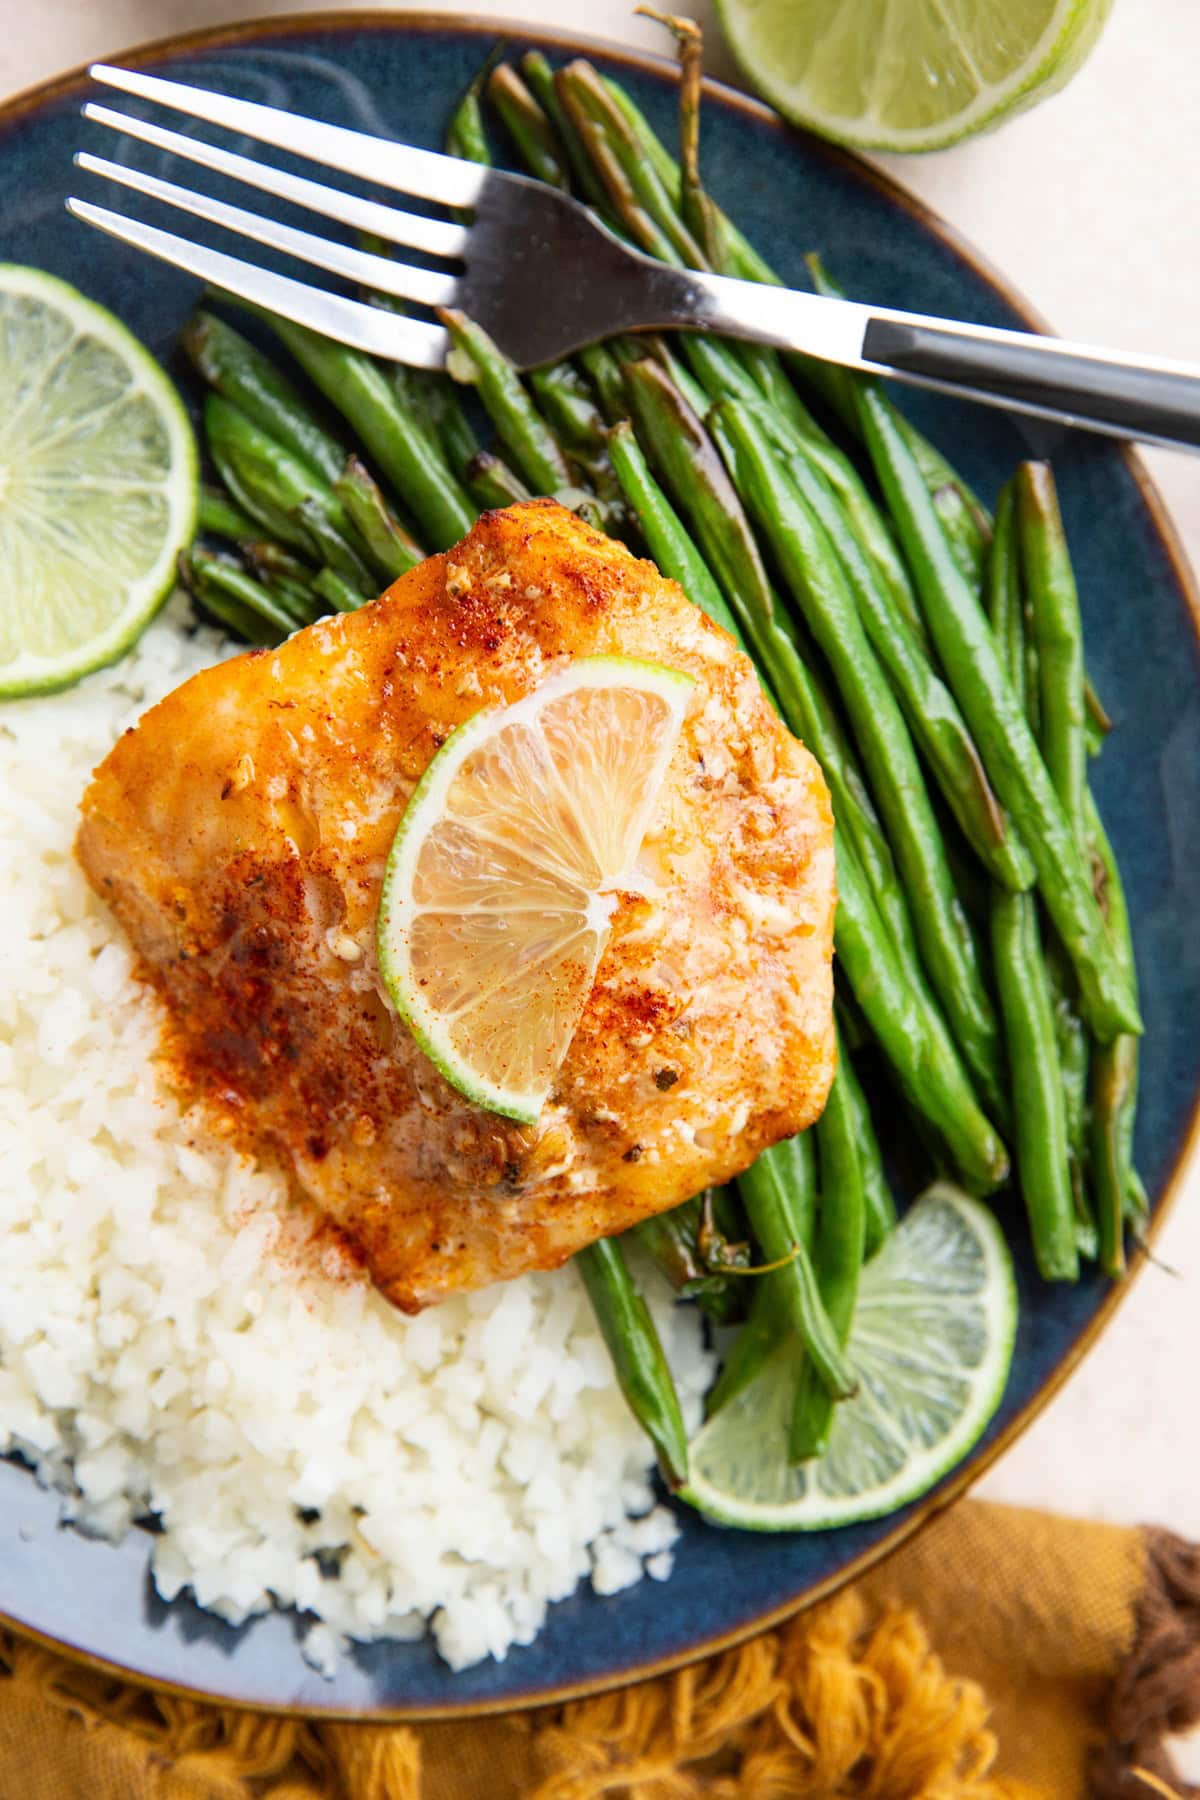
{"type": "Point", "coordinates": [1091, 204]}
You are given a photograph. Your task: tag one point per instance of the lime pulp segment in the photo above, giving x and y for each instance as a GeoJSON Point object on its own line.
{"type": "Point", "coordinates": [97, 484]}
{"type": "Point", "coordinates": [502, 877]}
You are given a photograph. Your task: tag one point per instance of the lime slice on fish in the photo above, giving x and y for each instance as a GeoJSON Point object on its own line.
{"type": "Point", "coordinates": [97, 484]}
{"type": "Point", "coordinates": [502, 878]}
{"type": "Point", "coordinates": [908, 74]}
{"type": "Point", "coordinates": [932, 1342]}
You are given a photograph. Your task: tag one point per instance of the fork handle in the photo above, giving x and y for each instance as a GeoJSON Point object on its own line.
{"type": "Point", "coordinates": [1124, 396]}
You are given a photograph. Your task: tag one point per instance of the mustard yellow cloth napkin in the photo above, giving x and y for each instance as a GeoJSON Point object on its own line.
{"type": "Point", "coordinates": [1002, 1655]}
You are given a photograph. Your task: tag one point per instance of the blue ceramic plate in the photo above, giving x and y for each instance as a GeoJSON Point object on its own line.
{"type": "Point", "coordinates": [400, 75]}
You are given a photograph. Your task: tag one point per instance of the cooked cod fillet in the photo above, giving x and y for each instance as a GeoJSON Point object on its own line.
{"type": "Point", "coordinates": [239, 833]}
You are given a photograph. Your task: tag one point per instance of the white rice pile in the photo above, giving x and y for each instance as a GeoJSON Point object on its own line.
{"type": "Point", "coordinates": [164, 1345]}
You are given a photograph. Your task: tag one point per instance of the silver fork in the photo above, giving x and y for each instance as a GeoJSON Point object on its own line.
{"type": "Point", "coordinates": [544, 276]}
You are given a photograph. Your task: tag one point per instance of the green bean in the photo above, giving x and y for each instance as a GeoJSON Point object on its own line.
{"type": "Point", "coordinates": [880, 1214]}
{"type": "Point", "coordinates": [540, 79]}
{"type": "Point", "coordinates": [334, 550]}
{"type": "Point", "coordinates": [241, 622]}
{"type": "Point", "coordinates": [207, 571]}
{"type": "Point", "coordinates": [422, 398]}
{"type": "Point", "coordinates": [911, 1032]}
{"type": "Point", "coordinates": [528, 125]}
{"type": "Point", "coordinates": [794, 1167]}
{"type": "Point", "coordinates": [665, 534]}
{"type": "Point", "coordinates": [283, 575]}
{"type": "Point", "coordinates": [239, 371]}
{"type": "Point", "coordinates": [879, 959]}
{"type": "Point", "coordinates": [492, 482]}
{"type": "Point", "coordinates": [819, 588]}
{"type": "Point", "coordinates": [341, 594]}
{"type": "Point", "coordinates": [968, 549]}
{"type": "Point", "coordinates": [604, 371]}
{"type": "Point", "coordinates": [533, 447]}
{"type": "Point", "coordinates": [272, 561]}
{"type": "Point", "coordinates": [391, 548]}
{"type": "Point", "coordinates": [686, 456]}
{"type": "Point", "coordinates": [218, 514]}
{"type": "Point", "coordinates": [1064, 722]}
{"type": "Point", "coordinates": [391, 436]}
{"type": "Point", "coordinates": [633, 1343]}
{"type": "Point", "coordinates": [932, 712]}
{"type": "Point", "coordinates": [264, 477]}
{"type": "Point", "coordinates": [1038, 1109]}
{"type": "Point", "coordinates": [565, 400]}
{"type": "Point", "coordinates": [455, 431]}
{"type": "Point", "coordinates": [782, 1227]}
{"type": "Point", "coordinates": [1114, 1086]}
{"type": "Point", "coordinates": [1011, 607]}
{"type": "Point", "coordinates": [465, 134]}
{"type": "Point", "coordinates": [611, 144]}
{"type": "Point", "coordinates": [838, 1256]}
{"type": "Point", "coordinates": [1058, 637]}
{"type": "Point", "coordinates": [964, 519]}
{"type": "Point", "coordinates": [998, 724]}
{"type": "Point", "coordinates": [1035, 1071]}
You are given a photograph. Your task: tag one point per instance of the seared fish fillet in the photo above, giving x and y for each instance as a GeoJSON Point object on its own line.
{"type": "Point", "coordinates": [239, 833]}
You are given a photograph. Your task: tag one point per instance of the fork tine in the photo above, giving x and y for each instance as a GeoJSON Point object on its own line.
{"type": "Point", "coordinates": [427, 286]}
{"type": "Point", "coordinates": [367, 328]}
{"type": "Point", "coordinates": [445, 179]}
{"type": "Point", "coordinates": [437, 237]}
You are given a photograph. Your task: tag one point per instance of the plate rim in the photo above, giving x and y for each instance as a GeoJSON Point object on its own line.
{"type": "Point", "coordinates": [59, 87]}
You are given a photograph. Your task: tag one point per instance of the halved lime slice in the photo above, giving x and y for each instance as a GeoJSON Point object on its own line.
{"type": "Point", "coordinates": [908, 74]}
{"type": "Point", "coordinates": [932, 1341]}
{"type": "Point", "coordinates": [502, 877]}
{"type": "Point", "coordinates": [97, 484]}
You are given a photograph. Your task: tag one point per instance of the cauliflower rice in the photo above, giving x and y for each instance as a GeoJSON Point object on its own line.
{"type": "Point", "coordinates": [169, 1345]}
